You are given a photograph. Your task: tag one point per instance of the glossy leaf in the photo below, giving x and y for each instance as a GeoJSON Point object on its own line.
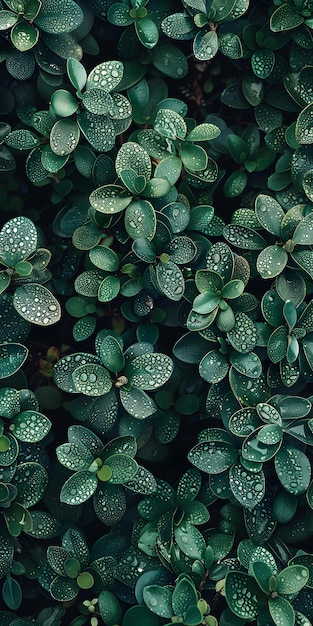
{"type": "Point", "coordinates": [36, 304]}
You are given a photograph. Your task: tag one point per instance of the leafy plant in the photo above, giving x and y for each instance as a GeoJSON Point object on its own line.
{"type": "Point", "coordinates": [156, 316]}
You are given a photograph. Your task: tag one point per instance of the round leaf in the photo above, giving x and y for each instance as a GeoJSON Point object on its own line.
{"type": "Point", "coordinates": [36, 304]}
{"type": "Point", "coordinates": [64, 137]}
{"type": "Point", "coordinates": [92, 379]}
{"type": "Point", "coordinates": [293, 469]}
{"type": "Point", "coordinates": [149, 371]}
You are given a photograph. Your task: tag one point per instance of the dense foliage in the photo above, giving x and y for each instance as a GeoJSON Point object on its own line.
{"type": "Point", "coordinates": [156, 337]}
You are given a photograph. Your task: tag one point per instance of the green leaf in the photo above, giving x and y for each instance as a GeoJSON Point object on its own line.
{"type": "Point", "coordinates": [7, 160]}
{"type": "Point", "coordinates": [140, 220]}
{"type": "Point", "coordinates": [213, 457]}
{"type": "Point", "coordinates": [243, 335]}
{"type": "Point", "coordinates": [111, 354]}
{"type": "Point", "coordinates": [108, 288]}
{"type": "Point", "coordinates": [149, 371]}
{"type": "Point", "coordinates": [76, 73]}
{"type": "Point", "coordinates": [106, 75]}
{"type": "Point", "coordinates": [269, 213]}
{"type": "Point", "coordinates": [203, 132]}
{"type": "Point", "coordinates": [65, 16]}
{"type": "Point", "coordinates": [237, 148]}
{"type": "Point", "coordinates": [247, 486]}
{"type": "Point", "coordinates": [22, 139]}
{"type": "Point", "coordinates": [133, 156]}
{"type": "Point", "coordinates": [303, 235]}
{"type": "Point", "coordinates": [248, 364]}
{"type": "Point", "coordinates": [109, 607]}
{"type": "Point", "coordinates": [63, 589]}
{"type": "Point", "coordinates": [170, 124]}
{"type": "Point", "coordinates": [104, 258]}
{"type": "Point", "coordinates": [25, 240]}
{"type": "Point", "coordinates": [92, 379]}
{"type": "Point", "coordinates": [213, 367]}
{"type": "Point", "coordinates": [159, 600]}
{"type": "Point", "coordinates": [252, 89]}
{"type": "Point", "coordinates": [169, 60]}
{"type": "Point", "coordinates": [277, 344]}
{"type": "Point", "coordinates": [137, 403]}
{"type": "Point", "coordinates": [170, 280]}
{"type": "Point", "coordinates": [30, 426]}
{"type": "Point", "coordinates": [13, 355]}
{"type": "Point", "coordinates": [193, 157]}
{"type": "Point", "coordinates": [97, 101]}
{"type": "Point", "coordinates": [64, 137]}
{"type": "Point", "coordinates": [205, 45]}
{"type": "Point", "coordinates": [169, 169]}
{"type": "Point", "coordinates": [184, 596]}
{"type": "Point", "coordinates": [281, 611]}
{"type": "Point", "coordinates": [110, 199]}
{"type": "Point", "coordinates": [293, 469]}
{"type": "Point", "coordinates": [235, 184]}
{"type": "Point", "coordinates": [12, 593]}
{"type": "Point", "coordinates": [292, 579]}
{"type": "Point", "coordinates": [7, 19]}
{"type": "Point", "coordinates": [31, 480]}
{"type": "Point", "coordinates": [63, 103]}
{"type": "Point", "coordinates": [122, 468]}
{"type": "Point", "coordinates": [190, 540]}
{"type": "Point", "coordinates": [36, 304]}
{"type": "Point", "coordinates": [262, 62]}
{"type": "Point", "coordinates": [24, 36]}
{"type": "Point", "coordinates": [99, 130]}
{"type": "Point", "coordinates": [205, 303]}
{"type": "Point", "coordinates": [51, 161]}
{"type": "Point", "coordinates": [156, 188]}
{"type": "Point", "coordinates": [243, 237]}
{"type": "Point", "coordinates": [144, 250]}
{"type": "Point", "coordinates": [239, 586]}
{"type": "Point", "coordinates": [78, 488]}
{"type": "Point", "coordinates": [147, 32]}
{"type": "Point", "coordinates": [285, 17]}
{"type": "Point", "coordinates": [304, 126]}
{"type": "Point", "coordinates": [271, 261]}
{"type": "Point", "coordinates": [248, 392]}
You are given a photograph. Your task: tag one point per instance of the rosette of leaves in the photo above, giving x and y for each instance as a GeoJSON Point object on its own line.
{"type": "Point", "coordinates": [172, 134]}
{"type": "Point", "coordinates": [290, 252]}
{"type": "Point", "coordinates": [224, 279]}
{"type": "Point", "coordinates": [164, 274]}
{"type": "Point", "coordinates": [25, 267]}
{"type": "Point", "coordinates": [68, 568]}
{"type": "Point", "coordinates": [277, 430]}
{"type": "Point", "coordinates": [211, 304]}
{"type": "Point", "coordinates": [289, 342]}
{"type": "Point", "coordinates": [40, 30]}
{"type": "Point", "coordinates": [168, 511]}
{"type": "Point", "coordinates": [22, 486]}
{"type": "Point", "coordinates": [217, 356]}
{"type": "Point", "coordinates": [20, 421]}
{"type": "Point", "coordinates": [101, 471]}
{"type": "Point", "coordinates": [180, 603]}
{"type": "Point", "coordinates": [210, 26]}
{"type": "Point", "coordinates": [96, 110]}
{"type": "Point", "coordinates": [248, 154]}
{"type": "Point", "coordinates": [138, 13]}
{"type": "Point", "coordinates": [218, 454]}
{"type": "Point", "coordinates": [131, 373]}
{"type": "Point", "coordinates": [95, 114]}
{"type": "Point", "coordinates": [266, 595]}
